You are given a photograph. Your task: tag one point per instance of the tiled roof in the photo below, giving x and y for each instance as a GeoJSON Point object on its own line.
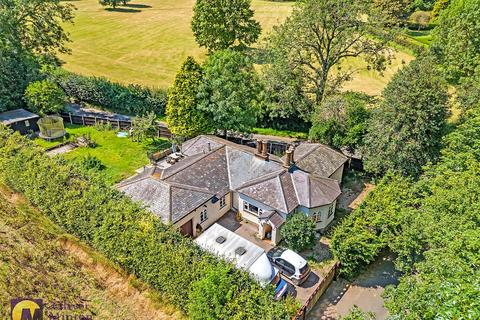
{"type": "Point", "coordinates": [213, 167]}
{"type": "Point", "coordinates": [318, 159]}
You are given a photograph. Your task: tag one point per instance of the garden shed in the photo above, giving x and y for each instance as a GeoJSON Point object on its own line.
{"type": "Point", "coordinates": [20, 120]}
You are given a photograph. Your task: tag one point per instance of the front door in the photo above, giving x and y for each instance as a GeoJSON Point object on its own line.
{"type": "Point", "coordinates": [187, 229]}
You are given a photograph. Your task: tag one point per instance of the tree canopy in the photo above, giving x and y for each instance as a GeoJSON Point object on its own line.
{"type": "Point", "coordinates": [230, 91]}
{"type": "Point", "coordinates": [222, 24]}
{"type": "Point", "coordinates": [184, 119]}
{"type": "Point", "coordinates": [299, 232]}
{"type": "Point", "coordinates": [45, 97]}
{"type": "Point", "coordinates": [319, 35]}
{"type": "Point", "coordinates": [456, 43]}
{"type": "Point", "coordinates": [342, 120]}
{"type": "Point", "coordinates": [405, 131]}
{"type": "Point", "coordinates": [31, 34]}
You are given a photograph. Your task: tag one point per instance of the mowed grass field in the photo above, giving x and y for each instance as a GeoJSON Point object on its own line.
{"type": "Point", "coordinates": [147, 42]}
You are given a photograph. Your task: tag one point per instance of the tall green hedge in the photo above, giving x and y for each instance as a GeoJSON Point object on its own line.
{"type": "Point", "coordinates": [130, 236]}
{"type": "Point", "coordinates": [131, 99]}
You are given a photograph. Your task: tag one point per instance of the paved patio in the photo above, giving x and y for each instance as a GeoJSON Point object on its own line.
{"type": "Point", "coordinates": [245, 229]}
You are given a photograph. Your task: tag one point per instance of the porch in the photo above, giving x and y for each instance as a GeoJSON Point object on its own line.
{"type": "Point", "coordinates": [244, 228]}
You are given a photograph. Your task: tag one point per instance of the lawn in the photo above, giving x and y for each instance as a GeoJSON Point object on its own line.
{"type": "Point", "coordinates": [147, 43]}
{"type": "Point", "coordinates": [120, 156]}
{"type": "Point", "coordinates": [423, 37]}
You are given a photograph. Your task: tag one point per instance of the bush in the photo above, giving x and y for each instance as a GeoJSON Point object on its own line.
{"type": "Point", "coordinates": [299, 232]}
{"type": "Point", "coordinates": [90, 162]}
{"type": "Point", "coordinates": [85, 206]}
{"type": "Point", "coordinates": [44, 97]}
{"type": "Point", "coordinates": [115, 97]}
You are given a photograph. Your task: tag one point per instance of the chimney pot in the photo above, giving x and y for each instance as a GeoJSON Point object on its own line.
{"type": "Point", "coordinates": [259, 146]}
{"type": "Point", "coordinates": [264, 148]}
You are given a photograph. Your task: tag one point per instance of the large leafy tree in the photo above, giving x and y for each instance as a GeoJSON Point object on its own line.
{"type": "Point", "coordinates": [230, 91]}
{"type": "Point", "coordinates": [406, 129]}
{"type": "Point", "coordinates": [342, 120]}
{"type": "Point", "coordinates": [221, 24]}
{"type": "Point", "coordinates": [299, 232]}
{"type": "Point", "coordinates": [45, 97]}
{"type": "Point", "coordinates": [35, 25]}
{"type": "Point", "coordinates": [183, 116]}
{"type": "Point", "coordinates": [456, 42]}
{"type": "Point", "coordinates": [321, 34]}
{"type": "Point", "coordinates": [31, 33]}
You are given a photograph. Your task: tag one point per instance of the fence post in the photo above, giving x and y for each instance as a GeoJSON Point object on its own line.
{"type": "Point", "coordinates": [95, 118]}
{"type": "Point", "coordinates": [70, 116]}
{"type": "Point", "coordinates": [118, 124]}
{"type": "Point", "coordinates": [83, 120]}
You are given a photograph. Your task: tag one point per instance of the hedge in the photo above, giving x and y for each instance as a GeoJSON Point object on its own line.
{"type": "Point", "coordinates": [85, 206]}
{"type": "Point", "coordinates": [131, 99]}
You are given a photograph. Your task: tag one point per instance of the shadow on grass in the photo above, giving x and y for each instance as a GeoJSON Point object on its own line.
{"type": "Point", "coordinates": [124, 10]}
{"type": "Point", "coordinates": [137, 5]}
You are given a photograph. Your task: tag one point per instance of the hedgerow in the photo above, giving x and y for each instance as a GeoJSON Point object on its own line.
{"type": "Point", "coordinates": [85, 206]}
{"type": "Point", "coordinates": [131, 99]}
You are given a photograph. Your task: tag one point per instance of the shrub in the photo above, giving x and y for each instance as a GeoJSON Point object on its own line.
{"type": "Point", "coordinates": [85, 206]}
{"type": "Point", "coordinates": [44, 97]}
{"type": "Point", "coordinates": [299, 232]}
{"type": "Point", "coordinates": [90, 162]}
{"type": "Point", "coordinates": [115, 97]}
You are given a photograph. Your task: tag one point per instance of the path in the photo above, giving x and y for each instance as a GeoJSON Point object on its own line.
{"type": "Point", "coordinates": [62, 149]}
{"type": "Point", "coordinates": [365, 292]}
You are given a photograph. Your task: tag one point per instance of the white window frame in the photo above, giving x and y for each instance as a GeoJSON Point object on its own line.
{"type": "Point", "coordinates": [223, 202]}
{"type": "Point", "coordinates": [203, 215]}
{"type": "Point", "coordinates": [317, 216]}
{"type": "Point", "coordinates": [246, 207]}
{"type": "Point", "coordinates": [27, 123]}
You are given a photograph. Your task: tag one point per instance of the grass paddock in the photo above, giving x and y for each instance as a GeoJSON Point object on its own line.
{"type": "Point", "coordinates": [147, 41]}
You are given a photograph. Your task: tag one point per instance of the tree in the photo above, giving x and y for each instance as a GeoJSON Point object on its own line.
{"type": "Point", "coordinates": [18, 69]}
{"type": "Point", "coordinates": [394, 9]}
{"type": "Point", "coordinates": [221, 24]}
{"type": "Point", "coordinates": [438, 7]}
{"type": "Point", "coordinates": [184, 119]}
{"type": "Point", "coordinates": [35, 25]}
{"type": "Point", "coordinates": [455, 40]}
{"type": "Point", "coordinates": [299, 232]}
{"type": "Point", "coordinates": [230, 91]}
{"type": "Point", "coordinates": [342, 120]}
{"type": "Point", "coordinates": [321, 34]}
{"type": "Point", "coordinates": [405, 131]}
{"type": "Point", "coordinates": [31, 34]}
{"type": "Point", "coordinates": [45, 97]}
{"type": "Point", "coordinates": [113, 3]}
{"type": "Point", "coordinates": [144, 127]}
{"type": "Point", "coordinates": [420, 19]}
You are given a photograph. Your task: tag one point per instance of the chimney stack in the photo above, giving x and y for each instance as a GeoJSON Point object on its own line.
{"type": "Point", "coordinates": [262, 150]}
{"type": "Point", "coordinates": [289, 161]}
{"type": "Point", "coordinates": [259, 146]}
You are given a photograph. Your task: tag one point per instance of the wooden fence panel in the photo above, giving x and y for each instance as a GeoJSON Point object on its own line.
{"type": "Point", "coordinates": [163, 131]}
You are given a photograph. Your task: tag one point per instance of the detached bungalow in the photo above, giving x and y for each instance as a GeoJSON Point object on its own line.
{"type": "Point", "coordinates": [216, 176]}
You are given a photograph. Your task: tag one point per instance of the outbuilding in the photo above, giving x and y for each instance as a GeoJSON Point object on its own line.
{"type": "Point", "coordinates": [20, 120]}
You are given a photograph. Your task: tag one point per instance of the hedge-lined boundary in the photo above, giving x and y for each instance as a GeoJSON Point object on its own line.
{"type": "Point", "coordinates": [132, 237]}
{"type": "Point", "coordinates": [131, 99]}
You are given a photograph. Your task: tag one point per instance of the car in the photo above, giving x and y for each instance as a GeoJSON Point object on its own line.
{"type": "Point", "coordinates": [281, 287]}
{"type": "Point", "coordinates": [290, 263]}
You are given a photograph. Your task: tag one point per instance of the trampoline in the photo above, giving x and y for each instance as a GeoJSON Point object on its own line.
{"type": "Point", "coordinates": [51, 127]}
